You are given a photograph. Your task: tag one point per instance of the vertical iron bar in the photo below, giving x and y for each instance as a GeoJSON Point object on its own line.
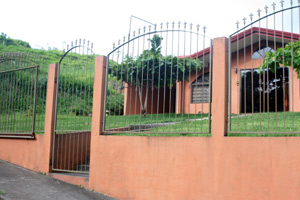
{"type": "Point", "coordinates": [238, 103]}
{"type": "Point", "coordinates": [196, 85]}
{"type": "Point", "coordinates": [171, 77]}
{"type": "Point", "coordinates": [291, 72]}
{"type": "Point", "coordinates": [130, 84]}
{"type": "Point", "coordinates": [210, 83]}
{"type": "Point", "coordinates": [35, 98]}
{"type": "Point", "coordinates": [245, 78]}
{"type": "Point", "coordinates": [113, 83]}
{"type": "Point", "coordinates": [275, 49]}
{"type": "Point", "coordinates": [158, 88]}
{"type": "Point", "coordinates": [147, 85]}
{"type": "Point", "coordinates": [183, 76]}
{"type": "Point", "coordinates": [137, 79]}
{"type": "Point", "coordinates": [283, 68]}
{"type": "Point", "coordinates": [268, 75]}
{"type": "Point", "coordinates": [142, 85]}
{"type": "Point", "coordinates": [189, 79]}
{"type": "Point", "coordinates": [203, 74]}
{"type": "Point", "coordinates": [229, 84]}
{"type": "Point", "coordinates": [252, 70]}
{"type": "Point", "coordinates": [165, 74]}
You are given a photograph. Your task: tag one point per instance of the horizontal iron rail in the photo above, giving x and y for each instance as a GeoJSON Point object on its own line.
{"type": "Point", "coordinates": [20, 69]}
{"type": "Point", "coordinates": [140, 131]}
{"type": "Point", "coordinates": [262, 132]}
{"type": "Point", "coordinates": [74, 131]}
{"type": "Point", "coordinates": [70, 171]}
{"type": "Point", "coordinates": [12, 136]}
{"type": "Point", "coordinates": [261, 18]}
{"type": "Point", "coordinates": [153, 32]}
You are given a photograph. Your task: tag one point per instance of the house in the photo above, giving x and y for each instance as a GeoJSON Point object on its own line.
{"type": "Point", "coordinates": [251, 91]}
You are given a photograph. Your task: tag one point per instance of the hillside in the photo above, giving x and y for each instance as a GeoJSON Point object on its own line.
{"type": "Point", "coordinates": [71, 87]}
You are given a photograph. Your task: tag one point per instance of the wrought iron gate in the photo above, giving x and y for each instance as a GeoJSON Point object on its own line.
{"type": "Point", "coordinates": [20, 94]}
{"type": "Point", "coordinates": [71, 151]}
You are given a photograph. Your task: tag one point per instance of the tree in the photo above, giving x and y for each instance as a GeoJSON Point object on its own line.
{"type": "Point", "coordinates": [153, 70]}
{"type": "Point", "coordinates": [287, 56]}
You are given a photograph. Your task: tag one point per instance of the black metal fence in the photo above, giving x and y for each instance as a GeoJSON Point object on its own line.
{"type": "Point", "coordinates": [263, 70]}
{"type": "Point", "coordinates": [159, 81]}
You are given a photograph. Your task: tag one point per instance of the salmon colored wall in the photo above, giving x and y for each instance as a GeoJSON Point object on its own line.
{"type": "Point", "coordinates": [34, 154]}
{"type": "Point", "coordinates": [216, 167]}
{"type": "Point", "coordinates": [197, 167]}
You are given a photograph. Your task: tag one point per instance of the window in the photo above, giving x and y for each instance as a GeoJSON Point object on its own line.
{"type": "Point", "coordinates": [200, 89]}
{"type": "Point", "coordinates": [260, 53]}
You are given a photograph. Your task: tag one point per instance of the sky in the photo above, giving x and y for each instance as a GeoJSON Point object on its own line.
{"type": "Point", "coordinates": [56, 23]}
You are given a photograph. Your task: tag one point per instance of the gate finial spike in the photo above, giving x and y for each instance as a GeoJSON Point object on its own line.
{"type": "Point", "coordinates": [274, 5]}
{"type": "Point", "coordinates": [88, 43]}
{"type": "Point", "coordinates": [71, 44]}
{"type": "Point", "coordinates": [179, 24]}
{"type": "Point", "coordinates": [144, 29]}
{"type": "Point", "coordinates": [76, 42]}
{"type": "Point", "coordinates": [244, 20]}
{"type": "Point", "coordinates": [198, 26]}
{"type": "Point", "coordinates": [291, 2]}
{"type": "Point", "coordinates": [124, 38]}
{"type": "Point", "coordinates": [266, 9]}
{"type": "Point", "coordinates": [133, 33]}
{"type": "Point", "coordinates": [83, 41]}
{"type": "Point", "coordinates": [173, 23]}
{"type": "Point", "coordinates": [114, 45]}
{"type": "Point", "coordinates": [67, 47]}
{"type": "Point", "coordinates": [237, 24]}
{"type": "Point", "coordinates": [92, 45]}
{"type": "Point", "coordinates": [161, 25]}
{"type": "Point", "coordinates": [167, 25]}
{"type": "Point", "coordinates": [156, 25]}
{"type": "Point", "coordinates": [204, 29]}
{"type": "Point", "coordinates": [191, 25]}
{"type": "Point", "coordinates": [251, 17]}
{"type": "Point", "coordinates": [258, 11]}
{"type": "Point", "coordinates": [79, 41]}
{"type": "Point", "coordinates": [184, 25]}
{"type": "Point", "coordinates": [281, 2]}
{"type": "Point", "coordinates": [119, 41]}
{"type": "Point", "coordinates": [149, 28]}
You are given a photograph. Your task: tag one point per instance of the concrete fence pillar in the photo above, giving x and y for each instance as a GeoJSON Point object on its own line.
{"type": "Point", "coordinates": [219, 87]}
{"type": "Point", "coordinates": [98, 95]}
{"type": "Point", "coordinates": [97, 117]}
{"type": "Point", "coordinates": [50, 111]}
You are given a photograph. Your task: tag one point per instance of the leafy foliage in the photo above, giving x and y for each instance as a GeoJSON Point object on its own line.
{"type": "Point", "coordinates": [6, 41]}
{"type": "Point", "coordinates": [151, 68]}
{"type": "Point", "coordinates": [287, 56]}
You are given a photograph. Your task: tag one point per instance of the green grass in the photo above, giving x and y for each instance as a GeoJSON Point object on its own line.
{"type": "Point", "coordinates": [280, 124]}
{"type": "Point", "coordinates": [273, 124]}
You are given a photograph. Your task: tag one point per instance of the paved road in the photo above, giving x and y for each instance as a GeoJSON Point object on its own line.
{"type": "Point", "coordinates": [17, 183]}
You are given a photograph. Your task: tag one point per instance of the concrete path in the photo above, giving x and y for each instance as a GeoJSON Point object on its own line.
{"type": "Point", "coordinates": [23, 184]}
